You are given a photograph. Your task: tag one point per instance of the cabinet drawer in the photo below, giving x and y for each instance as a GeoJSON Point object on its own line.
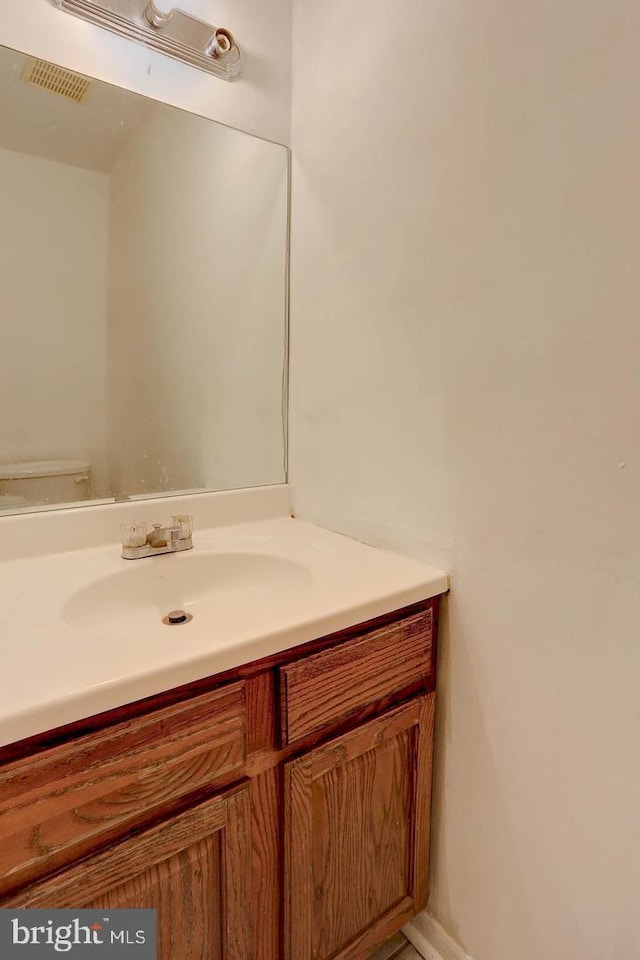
{"type": "Point", "coordinates": [327, 688]}
{"type": "Point", "coordinates": [67, 800]}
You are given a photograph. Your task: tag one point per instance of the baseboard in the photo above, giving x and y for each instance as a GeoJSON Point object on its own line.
{"type": "Point", "coordinates": [431, 940]}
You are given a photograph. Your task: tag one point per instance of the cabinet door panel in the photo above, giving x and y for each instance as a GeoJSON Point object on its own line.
{"type": "Point", "coordinates": [362, 812]}
{"type": "Point", "coordinates": [68, 800]}
{"type": "Point", "coordinates": [357, 835]}
{"type": "Point", "coordinates": [194, 869]}
{"type": "Point", "coordinates": [188, 883]}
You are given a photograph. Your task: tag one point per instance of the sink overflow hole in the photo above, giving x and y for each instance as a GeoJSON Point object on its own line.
{"type": "Point", "coordinates": [177, 617]}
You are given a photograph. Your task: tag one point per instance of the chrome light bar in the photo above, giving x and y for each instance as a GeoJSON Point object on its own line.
{"type": "Point", "coordinates": [176, 33]}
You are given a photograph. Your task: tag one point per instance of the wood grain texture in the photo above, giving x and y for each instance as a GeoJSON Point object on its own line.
{"type": "Point", "coordinates": [355, 843]}
{"type": "Point", "coordinates": [332, 844]}
{"type": "Point", "coordinates": [324, 689]}
{"type": "Point", "coordinates": [63, 802]}
{"type": "Point", "coordinates": [354, 744]}
{"type": "Point", "coordinates": [298, 860]}
{"type": "Point", "coordinates": [267, 882]}
{"type": "Point", "coordinates": [238, 900]}
{"type": "Point", "coordinates": [140, 708]}
{"type": "Point", "coordinates": [194, 869]}
{"type": "Point", "coordinates": [261, 713]}
{"type": "Point", "coordinates": [423, 754]}
{"type": "Point", "coordinates": [186, 885]}
{"type": "Point", "coordinates": [360, 850]}
{"type": "Point", "coordinates": [90, 878]}
{"type": "Point", "coordinates": [378, 932]}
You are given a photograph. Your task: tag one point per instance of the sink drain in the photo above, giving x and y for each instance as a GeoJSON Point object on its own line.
{"type": "Point", "coordinates": [176, 618]}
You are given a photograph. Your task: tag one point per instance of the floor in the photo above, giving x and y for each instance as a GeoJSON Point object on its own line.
{"type": "Point", "coordinates": [398, 948]}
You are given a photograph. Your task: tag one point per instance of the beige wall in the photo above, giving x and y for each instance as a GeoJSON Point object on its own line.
{"type": "Point", "coordinates": [53, 290]}
{"type": "Point", "coordinates": [466, 387]}
{"type": "Point", "coordinates": [259, 103]}
{"type": "Point", "coordinates": [197, 254]}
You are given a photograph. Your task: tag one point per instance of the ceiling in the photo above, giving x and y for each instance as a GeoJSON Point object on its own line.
{"type": "Point", "coordinates": [90, 134]}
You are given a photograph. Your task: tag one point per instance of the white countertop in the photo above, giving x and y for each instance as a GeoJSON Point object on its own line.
{"type": "Point", "coordinates": [55, 670]}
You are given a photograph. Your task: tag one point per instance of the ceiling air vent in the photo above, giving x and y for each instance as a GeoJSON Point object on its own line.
{"type": "Point", "coordinates": [65, 83]}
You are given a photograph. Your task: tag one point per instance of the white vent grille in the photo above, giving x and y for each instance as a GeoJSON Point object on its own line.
{"type": "Point", "coordinates": [65, 83]}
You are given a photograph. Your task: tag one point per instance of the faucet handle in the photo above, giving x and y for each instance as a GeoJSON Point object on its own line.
{"type": "Point", "coordinates": [133, 534]}
{"type": "Point", "coordinates": [185, 523]}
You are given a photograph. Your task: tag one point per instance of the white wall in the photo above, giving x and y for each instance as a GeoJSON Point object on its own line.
{"type": "Point", "coordinates": [53, 278]}
{"type": "Point", "coordinates": [465, 388]}
{"type": "Point", "coordinates": [260, 101]}
{"type": "Point", "coordinates": [197, 248]}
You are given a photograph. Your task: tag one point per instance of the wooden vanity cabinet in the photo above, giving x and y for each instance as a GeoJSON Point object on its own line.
{"type": "Point", "coordinates": [279, 811]}
{"type": "Point", "coordinates": [194, 869]}
{"type": "Point", "coordinates": [357, 835]}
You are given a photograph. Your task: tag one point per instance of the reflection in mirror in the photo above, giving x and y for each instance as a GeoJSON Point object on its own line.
{"type": "Point", "coordinates": [142, 286]}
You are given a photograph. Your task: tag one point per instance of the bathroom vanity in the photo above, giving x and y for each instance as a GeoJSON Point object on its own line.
{"type": "Point", "coordinates": [279, 809]}
{"type": "Point", "coordinates": [239, 735]}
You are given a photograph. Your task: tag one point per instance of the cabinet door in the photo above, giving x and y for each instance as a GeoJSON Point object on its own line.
{"type": "Point", "coordinates": [357, 813]}
{"type": "Point", "coordinates": [194, 869]}
{"type": "Point", "coordinates": [66, 802]}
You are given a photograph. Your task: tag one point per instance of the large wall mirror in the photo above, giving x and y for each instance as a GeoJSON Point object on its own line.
{"type": "Point", "coordinates": [143, 257]}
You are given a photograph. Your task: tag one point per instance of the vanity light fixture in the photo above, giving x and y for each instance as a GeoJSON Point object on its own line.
{"type": "Point", "coordinates": [174, 33]}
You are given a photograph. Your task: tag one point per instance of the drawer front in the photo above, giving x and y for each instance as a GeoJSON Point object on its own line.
{"type": "Point", "coordinates": [66, 800]}
{"type": "Point", "coordinates": [327, 688]}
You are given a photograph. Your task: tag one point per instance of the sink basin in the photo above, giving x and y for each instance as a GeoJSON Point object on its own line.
{"type": "Point", "coordinates": [81, 630]}
{"type": "Point", "coordinates": [212, 588]}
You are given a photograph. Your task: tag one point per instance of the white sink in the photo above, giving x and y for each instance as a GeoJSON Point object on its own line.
{"type": "Point", "coordinates": [81, 632]}
{"type": "Point", "coordinates": [210, 587]}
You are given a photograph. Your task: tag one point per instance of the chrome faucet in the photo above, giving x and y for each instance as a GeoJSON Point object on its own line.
{"type": "Point", "coordinates": [137, 543]}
